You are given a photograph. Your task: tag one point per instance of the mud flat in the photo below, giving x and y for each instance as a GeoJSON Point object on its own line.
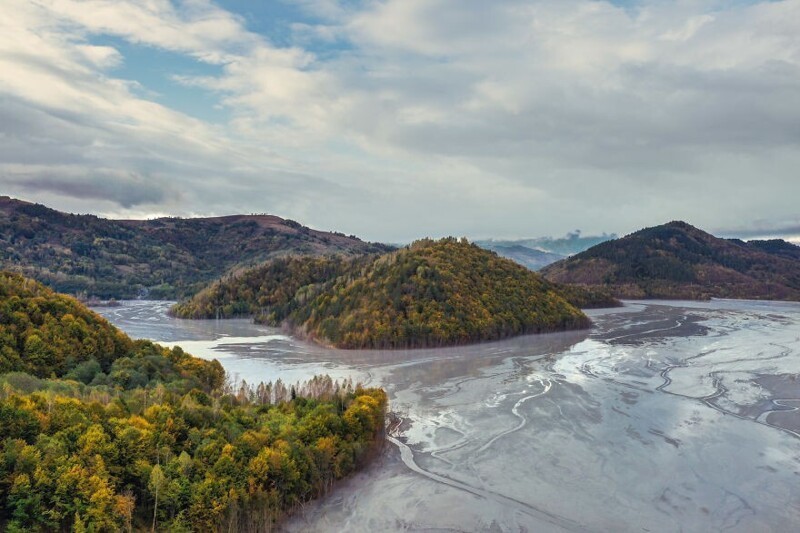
{"type": "Point", "coordinates": [666, 416]}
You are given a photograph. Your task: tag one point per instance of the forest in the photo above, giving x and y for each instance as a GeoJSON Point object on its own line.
{"type": "Point", "coordinates": [102, 433]}
{"type": "Point", "coordinates": [432, 293]}
{"type": "Point", "coordinates": [677, 260]}
{"type": "Point", "coordinates": [268, 290]}
{"type": "Point", "coordinates": [162, 258]}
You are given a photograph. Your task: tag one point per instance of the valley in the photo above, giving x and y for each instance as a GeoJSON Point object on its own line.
{"type": "Point", "coordinates": [374, 266]}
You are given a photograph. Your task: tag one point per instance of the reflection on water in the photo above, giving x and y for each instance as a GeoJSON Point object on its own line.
{"type": "Point", "coordinates": [665, 416]}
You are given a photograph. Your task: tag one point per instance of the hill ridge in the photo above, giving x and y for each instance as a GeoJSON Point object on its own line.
{"type": "Point", "coordinates": [679, 260]}
{"type": "Point", "coordinates": [166, 257]}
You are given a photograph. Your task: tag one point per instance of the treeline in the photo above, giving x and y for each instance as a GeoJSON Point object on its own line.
{"type": "Point", "coordinates": [145, 436]}
{"type": "Point", "coordinates": [106, 461]}
{"type": "Point", "coordinates": [433, 293]}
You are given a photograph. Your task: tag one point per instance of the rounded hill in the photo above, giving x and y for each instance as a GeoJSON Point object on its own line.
{"type": "Point", "coordinates": [432, 293]}
{"type": "Point", "coordinates": [677, 260]}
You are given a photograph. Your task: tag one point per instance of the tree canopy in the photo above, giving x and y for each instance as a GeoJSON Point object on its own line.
{"type": "Point", "coordinates": [102, 433]}
{"type": "Point", "coordinates": [432, 293]}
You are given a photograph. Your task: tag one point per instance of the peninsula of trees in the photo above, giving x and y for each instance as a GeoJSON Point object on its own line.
{"type": "Point", "coordinates": [677, 260]}
{"type": "Point", "coordinates": [160, 258]}
{"type": "Point", "coordinates": [102, 433]}
{"type": "Point", "coordinates": [432, 293]}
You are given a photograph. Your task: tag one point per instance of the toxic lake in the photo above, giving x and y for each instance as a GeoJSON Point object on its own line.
{"type": "Point", "coordinates": [665, 416]}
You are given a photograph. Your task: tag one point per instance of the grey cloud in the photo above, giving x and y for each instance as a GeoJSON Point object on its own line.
{"type": "Point", "coordinates": [765, 229]}
{"type": "Point", "coordinates": [661, 118]}
{"type": "Point", "coordinates": [125, 190]}
{"type": "Point", "coordinates": [82, 156]}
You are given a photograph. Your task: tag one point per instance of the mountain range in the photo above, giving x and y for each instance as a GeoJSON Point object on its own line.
{"type": "Point", "coordinates": [174, 258]}
{"type": "Point", "coordinates": [159, 258]}
{"type": "Point", "coordinates": [542, 251]}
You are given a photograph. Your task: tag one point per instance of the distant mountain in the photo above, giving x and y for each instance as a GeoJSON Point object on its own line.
{"type": "Point", "coordinates": [677, 260]}
{"type": "Point", "coordinates": [527, 257]}
{"type": "Point", "coordinates": [571, 244]}
{"type": "Point", "coordinates": [540, 252]}
{"type": "Point", "coordinates": [162, 258]}
{"type": "Point", "coordinates": [432, 293]}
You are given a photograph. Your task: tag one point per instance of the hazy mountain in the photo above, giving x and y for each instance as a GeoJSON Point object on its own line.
{"type": "Point", "coordinates": [540, 252]}
{"type": "Point", "coordinates": [570, 244]}
{"type": "Point", "coordinates": [677, 260]}
{"type": "Point", "coordinates": [529, 257]}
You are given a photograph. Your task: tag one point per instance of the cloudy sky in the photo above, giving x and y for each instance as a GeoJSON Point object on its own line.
{"type": "Point", "coordinates": [395, 119]}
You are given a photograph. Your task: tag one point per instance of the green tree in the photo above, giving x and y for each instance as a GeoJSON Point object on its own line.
{"type": "Point", "coordinates": [155, 485]}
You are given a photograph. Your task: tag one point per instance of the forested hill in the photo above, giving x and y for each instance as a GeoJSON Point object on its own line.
{"type": "Point", "coordinates": [102, 433]}
{"type": "Point", "coordinates": [160, 258]}
{"type": "Point", "coordinates": [677, 260]}
{"type": "Point", "coordinates": [433, 293]}
{"type": "Point", "coordinates": [45, 334]}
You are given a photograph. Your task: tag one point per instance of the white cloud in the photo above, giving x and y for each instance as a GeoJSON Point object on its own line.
{"type": "Point", "coordinates": [195, 27]}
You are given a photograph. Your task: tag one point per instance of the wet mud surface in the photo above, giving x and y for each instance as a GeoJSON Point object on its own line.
{"type": "Point", "coordinates": [665, 416]}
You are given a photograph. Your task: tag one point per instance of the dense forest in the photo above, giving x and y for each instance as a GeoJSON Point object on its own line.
{"type": "Point", "coordinates": [160, 258]}
{"type": "Point", "coordinates": [102, 433]}
{"type": "Point", "coordinates": [432, 293]}
{"type": "Point", "coordinates": [269, 290]}
{"type": "Point", "coordinates": [586, 297]}
{"type": "Point", "coordinates": [677, 260]}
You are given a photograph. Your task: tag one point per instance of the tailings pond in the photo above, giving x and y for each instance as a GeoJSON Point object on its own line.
{"type": "Point", "coordinates": [665, 416]}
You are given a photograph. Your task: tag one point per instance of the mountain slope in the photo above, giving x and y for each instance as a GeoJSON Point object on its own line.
{"type": "Point", "coordinates": [436, 293]}
{"type": "Point", "coordinates": [677, 260]}
{"type": "Point", "coordinates": [432, 293]}
{"type": "Point", "coordinates": [777, 247]}
{"type": "Point", "coordinates": [165, 258]}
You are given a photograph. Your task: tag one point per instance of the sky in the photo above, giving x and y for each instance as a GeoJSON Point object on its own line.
{"type": "Point", "coordinates": [397, 119]}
